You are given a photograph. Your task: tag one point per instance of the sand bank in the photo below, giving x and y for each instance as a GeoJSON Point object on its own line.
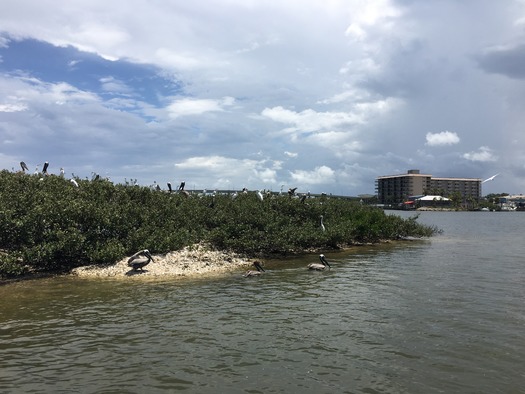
{"type": "Point", "coordinates": [190, 261]}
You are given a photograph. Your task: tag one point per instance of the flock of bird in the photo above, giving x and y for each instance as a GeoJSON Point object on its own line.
{"type": "Point", "coordinates": [143, 257]}
{"type": "Point", "coordinates": [323, 265]}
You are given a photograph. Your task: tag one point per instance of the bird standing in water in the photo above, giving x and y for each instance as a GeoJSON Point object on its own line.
{"type": "Point", "coordinates": [319, 266]}
{"type": "Point", "coordinates": [259, 271]}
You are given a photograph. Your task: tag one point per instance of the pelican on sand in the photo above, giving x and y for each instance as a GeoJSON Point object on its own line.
{"type": "Point", "coordinates": [140, 260]}
{"type": "Point", "coordinates": [319, 266]}
{"type": "Point", "coordinates": [259, 271]}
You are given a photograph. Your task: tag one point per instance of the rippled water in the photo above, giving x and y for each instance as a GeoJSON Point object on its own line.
{"type": "Point", "coordinates": [440, 315]}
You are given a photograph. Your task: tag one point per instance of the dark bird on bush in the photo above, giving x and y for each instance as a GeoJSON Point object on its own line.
{"type": "Point", "coordinates": [181, 186]}
{"type": "Point", "coordinates": [259, 271]}
{"type": "Point", "coordinates": [291, 192]}
{"type": "Point", "coordinates": [44, 170]}
{"type": "Point", "coordinates": [169, 187]}
{"type": "Point", "coordinates": [140, 260]}
{"type": "Point", "coordinates": [24, 166]}
{"type": "Point", "coordinates": [319, 266]}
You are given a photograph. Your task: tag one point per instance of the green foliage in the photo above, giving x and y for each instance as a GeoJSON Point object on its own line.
{"type": "Point", "coordinates": [49, 224]}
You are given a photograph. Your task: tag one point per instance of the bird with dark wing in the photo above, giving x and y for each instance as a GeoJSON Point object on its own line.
{"type": "Point", "coordinates": [140, 259]}
{"type": "Point", "coordinates": [259, 271]}
{"type": "Point", "coordinates": [319, 266]}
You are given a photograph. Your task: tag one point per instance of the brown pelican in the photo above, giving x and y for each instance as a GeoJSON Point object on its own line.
{"type": "Point", "coordinates": [259, 271]}
{"type": "Point", "coordinates": [319, 266]}
{"type": "Point", "coordinates": [140, 260]}
{"type": "Point", "coordinates": [24, 166]}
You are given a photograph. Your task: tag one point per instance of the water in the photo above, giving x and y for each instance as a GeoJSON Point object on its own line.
{"type": "Point", "coordinates": [444, 315]}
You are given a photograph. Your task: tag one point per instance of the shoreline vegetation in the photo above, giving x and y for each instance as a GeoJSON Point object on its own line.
{"type": "Point", "coordinates": [53, 225]}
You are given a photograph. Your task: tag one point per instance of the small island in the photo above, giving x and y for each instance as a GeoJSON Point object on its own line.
{"type": "Point", "coordinates": [50, 224]}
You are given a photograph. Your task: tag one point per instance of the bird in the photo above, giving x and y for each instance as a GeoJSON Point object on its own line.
{"type": "Point", "coordinates": [291, 191]}
{"type": "Point", "coordinates": [491, 178]}
{"type": "Point", "coordinates": [181, 186]}
{"type": "Point", "coordinates": [62, 172]}
{"type": "Point", "coordinates": [259, 195]}
{"type": "Point", "coordinates": [140, 260]}
{"type": "Point", "coordinates": [169, 187]}
{"type": "Point", "coordinates": [44, 170]}
{"type": "Point", "coordinates": [259, 271]}
{"type": "Point", "coordinates": [24, 166]}
{"type": "Point", "coordinates": [319, 266]}
{"type": "Point", "coordinates": [75, 183]}
{"type": "Point", "coordinates": [322, 225]}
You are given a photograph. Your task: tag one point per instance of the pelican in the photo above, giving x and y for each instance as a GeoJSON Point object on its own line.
{"type": "Point", "coordinates": [140, 260]}
{"type": "Point", "coordinates": [491, 178]}
{"type": "Point", "coordinates": [319, 266]}
{"type": "Point", "coordinates": [322, 225]}
{"type": "Point", "coordinates": [259, 271]}
{"type": "Point", "coordinates": [44, 170]}
{"type": "Point", "coordinates": [24, 166]}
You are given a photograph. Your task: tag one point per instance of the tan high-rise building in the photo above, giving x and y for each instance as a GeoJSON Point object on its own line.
{"type": "Point", "coordinates": [394, 189]}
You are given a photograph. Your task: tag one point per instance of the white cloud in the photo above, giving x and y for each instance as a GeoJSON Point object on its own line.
{"type": "Point", "coordinates": [310, 120]}
{"type": "Point", "coordinates": [322, 175]}
{"type": "Point", "coordinates": [12, 107]}
{"type": "Point", "coordinates": [442, 138]}
{"type": "Point", "coordinates": [484, 154]}
{"type": "Point", "coordinates": [252, 76]}
{"type": "Point", "coordinates": [189, 106]}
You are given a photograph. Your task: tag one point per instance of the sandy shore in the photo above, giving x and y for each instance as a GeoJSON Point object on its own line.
{"type": "Point", "coordinates": [188, 262]}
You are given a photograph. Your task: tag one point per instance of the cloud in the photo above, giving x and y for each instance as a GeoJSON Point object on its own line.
{"type": "Point", "coordinates": [442, 138]}
{"type": "Point", "coordinates": [484, 154]}
{"type": "Point", "coordinates": [506, 60]}
{"type": "Point", "coordinates": [188, 106]}
{"type": "Point", "coordinates": [251, 94]}
{"type": "Point", "coordinates": [310, 120]}
{"type": "Point", "coordinates": [228, 170]}
{"type": "Point", "coordinates": [14, 107]}
{"type": "Point", "coordinates": [322, 175]}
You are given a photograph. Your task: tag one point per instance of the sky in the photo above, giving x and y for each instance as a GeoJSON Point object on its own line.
{"type": "Point", "coordinates": [320, 95]}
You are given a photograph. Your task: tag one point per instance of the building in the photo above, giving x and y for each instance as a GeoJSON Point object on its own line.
{"type": "Point", "coordinates": [395, 189]}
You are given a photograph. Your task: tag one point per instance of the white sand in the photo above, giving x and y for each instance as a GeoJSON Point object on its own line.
{"type": "Point", "coordinates": [190, 261]}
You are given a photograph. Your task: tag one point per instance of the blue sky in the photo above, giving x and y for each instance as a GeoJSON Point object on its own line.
{"type": "Point", "coordinates": [320, 95]}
